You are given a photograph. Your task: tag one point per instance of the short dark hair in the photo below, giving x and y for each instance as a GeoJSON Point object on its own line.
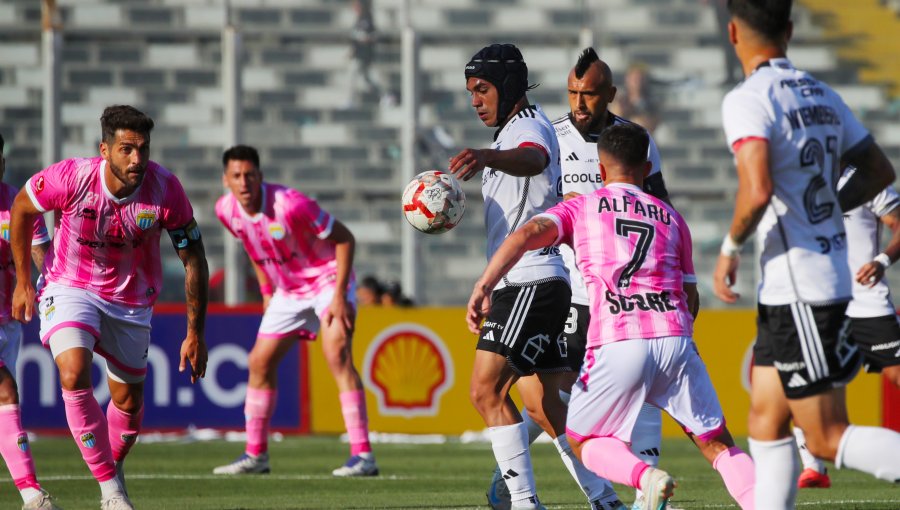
{"type": "Point", "coordinates": [241, 153]}
{"type": "Point", "coordinates": [769, 18]}
{"type": "Point", "coordinates": [627, 143]}
{"type": "Point", "coordinates": [587, 57]}
{"type": "Point", "coordinates": [123, 116]}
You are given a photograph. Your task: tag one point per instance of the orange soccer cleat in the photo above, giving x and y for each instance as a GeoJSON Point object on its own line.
{"type": "Point", "coordinates": [812, 479]}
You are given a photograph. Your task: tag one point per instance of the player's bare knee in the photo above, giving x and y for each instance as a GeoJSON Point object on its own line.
{"type": "Point", "coordinates": [258, 363]}
{"type": "Point", "coordinates": [483, 397]}
{"type": "Point", "coordinates": [893, 375]}
{"type": "Point", "coordinates": [9, 393]}
{"type": "Point", "coordinates": [74, 378]}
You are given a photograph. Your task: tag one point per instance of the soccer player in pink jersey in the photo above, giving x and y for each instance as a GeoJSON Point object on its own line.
{"type": "Point", "coordinates": [634, 252]}
{"type": "Point", "coordinates": [303, 258]}
{"type": "Point", "coordinates": [103, 275]}
{"type": "Point", "coordinates": [14, 447]}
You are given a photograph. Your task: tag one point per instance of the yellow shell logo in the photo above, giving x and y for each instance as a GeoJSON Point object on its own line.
{"type": "Point", "coordinates": [408, 368]}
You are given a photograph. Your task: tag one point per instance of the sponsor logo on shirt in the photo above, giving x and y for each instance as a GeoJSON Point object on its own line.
{"type": "Point", "coordinates": [88, 213]}
{"type": "Point", "coordinates": [276, 230]}
{"type": "Point", "coordinates": [145, 218]}
{"type": "Point", "coordinates": [4, 231]}
{"type": "Point", "coordinates": [39, 185]}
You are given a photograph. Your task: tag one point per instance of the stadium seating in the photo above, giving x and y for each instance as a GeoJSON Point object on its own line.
{"type": "Point", "coordinates": [163, 56]}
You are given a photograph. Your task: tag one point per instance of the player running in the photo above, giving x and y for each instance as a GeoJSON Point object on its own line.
{"type": "Point", "coordinates": [103, 275]}
{"type": "Point", "coordinates": [791, 134]}
{"type": "Point", "coordinates": [591, 90]}
{"type": "Point", "coordinates": [634, 252]}
{"type": "Point", "coordinates": [872, 315]}
{"type": "Point", "coordinates": [14, 446]}
{"type": "Point", "coordinates": [303, 259]}
{"type": "Point", "coordinates": [522, 337]}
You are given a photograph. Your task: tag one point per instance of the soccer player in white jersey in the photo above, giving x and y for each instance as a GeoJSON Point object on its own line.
{"type": "Point", "coordinates": [590, 92]}
{"type": "Point", "coordinates": [521, 342]}
{"type": "Point", "coordinates": [635, 254]}
{"type": "Point", "coordinates": [303, 259]}
{"type": "Point", "coordinates": [103, 275]}
{"type": "Point", "coordinates": [791, 134]}
{"type": "Point", "coordinates": [14, 446]}
{"type": "Point", "coordinates": [873, 325]}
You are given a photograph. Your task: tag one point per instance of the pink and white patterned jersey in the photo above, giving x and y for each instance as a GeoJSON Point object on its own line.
{"type": "Point", "coordinates": [103, 244]}
{"type": "Point", "coordinates": [286, 239]}
{"type": "Point", "coordinates": [634, 252]}
{"type": "Point", "coordinates": [7, 268]}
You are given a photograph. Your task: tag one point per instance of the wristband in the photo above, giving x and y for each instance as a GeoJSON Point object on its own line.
{"type": "Point", "coordinates": [729, 247]}
{"type": "Point", "coordinates": [265, 289]}
{"type": "Point", "coordinates": [883, 259]}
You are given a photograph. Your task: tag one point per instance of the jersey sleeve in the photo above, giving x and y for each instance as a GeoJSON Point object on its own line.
{"type": "Point", "coordinates": [176, 210]}
{"type": "Point", "coordinates": [885, 202]}
{"type": "Point", "coordinates": [563, 215]}
{"type": "Point", "coordinates": [53, 187]}
{"type": "Point", "coordinates": [305, 213]}
{"type": "Point", "coordinates": [745, 116]}
{"type": "Point", "coordinates": [687, 249]}
{"type": "Point", "coordinates": [528, 132]}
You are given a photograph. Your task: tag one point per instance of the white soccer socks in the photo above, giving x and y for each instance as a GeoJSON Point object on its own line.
{"type": "Point", "coordinates": [809, 460]}
{"type": "Point", "coordinates": [510, 444]}
{"type": "Point", "coordinates": [872, 450]}
{"type": "Point", "coordinates": [594, 487]}
{"type": "Point", "coordinates": [776, 473]}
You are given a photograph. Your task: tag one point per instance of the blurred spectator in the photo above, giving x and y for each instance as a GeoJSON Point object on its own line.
{"type": "Point", "coordinates": [393, 295]}
{"type": "Point", "coordinates": [369, 292]}
{"type": "Point", "coordinates": [635, 101]}
{"type": "Point", "coordinates": [361, 79]}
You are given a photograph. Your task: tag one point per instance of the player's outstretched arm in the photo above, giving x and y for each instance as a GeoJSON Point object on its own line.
{"type": "Point", "coordinates": [872, 272]}
{"type": "Point", "coordinates": [537, 233]}
{"type": "Point", "coordinates": [874, 172]}
{"type": "Point", "coordinates": [196, 291]}
{"type": "Point", "coordinates": [518, 162]}
{"type": "Point", "coordinates": [21, 230]}
{"type": "Point", "coordinates": [345, 245]}
{"type": "Point", "coordinates": [755, 190]}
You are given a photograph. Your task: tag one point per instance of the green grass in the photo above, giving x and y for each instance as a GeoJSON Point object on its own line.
{"type": "Point", "coordinates": [454, 475]}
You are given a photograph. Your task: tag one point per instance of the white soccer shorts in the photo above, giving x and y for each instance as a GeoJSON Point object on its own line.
{"type": "Point", "coordinates": [617, 378]}
{"type": "Point", "coordinates": [10, 341]}
{"type": "Point", "coordinates": [120, 334]}
{"type": "Point", "coordinates": [288, 316]}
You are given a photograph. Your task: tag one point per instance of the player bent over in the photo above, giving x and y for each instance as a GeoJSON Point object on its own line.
{"type": "Point", "coordinates": [103, 275]}
{"type": "Point", "coordinates": [303, 259]}
{"type": "Point", "coordinates": [634, 252]}
{"type": "Point", "coordinates": [14, 447]}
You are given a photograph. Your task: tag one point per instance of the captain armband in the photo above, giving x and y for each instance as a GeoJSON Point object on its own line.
{"type": "Point", "coordinates": [185, 236]}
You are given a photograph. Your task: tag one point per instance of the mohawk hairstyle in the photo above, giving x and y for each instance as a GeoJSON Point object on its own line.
{"type": "Point", "coordinates": [588, 57]}
{"type": "Point", "coordinates": [769, 18]}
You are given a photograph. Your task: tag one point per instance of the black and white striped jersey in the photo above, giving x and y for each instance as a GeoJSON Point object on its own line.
{"type": "Point", "coordinates": [510, 201]}
{"type": "Point", "coordinates": [808, 129]}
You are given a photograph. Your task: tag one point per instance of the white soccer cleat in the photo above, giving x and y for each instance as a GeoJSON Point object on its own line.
{"type": "Point", "coordinates": [246, 464]}
{"type": "Point", "coordinates": [657, 486]}
{"type": "Point", "coordinates": [358, 465]}
{"type": "Point", "coordinates": [498, 492]}
{"type": "Point", "coordinates": [117, 501]}
{"type": "Point", "coordinates": [42, 502]}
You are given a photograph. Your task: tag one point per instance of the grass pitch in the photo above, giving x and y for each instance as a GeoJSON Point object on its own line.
{"type": "Point", "coordinates": [449, 476]}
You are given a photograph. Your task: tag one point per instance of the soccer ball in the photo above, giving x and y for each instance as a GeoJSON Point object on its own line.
{"type": "Point", "coordinates": [433, 202]}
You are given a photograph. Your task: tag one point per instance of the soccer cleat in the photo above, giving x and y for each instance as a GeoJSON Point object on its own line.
{"type": "Point", "coordinates": [246, 464]}
{"type": "Point", "coordinates": [531, 503]}
{"type": "Point", "coordinates": [117, 501]}
{"type": "Point", "coordinates": [42, 502]}
{"type": "Point", "coordinates": [498, 492]}
{"type": "Point", "coordinates": [812, 479]}
{"type": "Point", "coordinates": [657, 486]}
{"type": "Point", "coordinates": [358, 465]}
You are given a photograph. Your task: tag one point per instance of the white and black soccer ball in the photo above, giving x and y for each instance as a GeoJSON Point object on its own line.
{"type": "Point", "coordinates": [434, 202]}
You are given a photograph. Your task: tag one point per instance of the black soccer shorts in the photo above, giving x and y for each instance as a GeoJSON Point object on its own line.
{"type": "Point", "coordinates": [808, 345]}
{"type": "Point", "coordinates": [878, 339]}
{"type": "Point", "coordinates": [525, 325]}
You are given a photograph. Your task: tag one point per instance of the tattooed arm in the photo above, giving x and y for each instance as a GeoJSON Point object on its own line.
{"type": "Point", "coordinates": [755, 190]}
{"type": "Point", "coordinates": [196, 290]}
{"type": "Point", "coordinates": [537, 233]}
